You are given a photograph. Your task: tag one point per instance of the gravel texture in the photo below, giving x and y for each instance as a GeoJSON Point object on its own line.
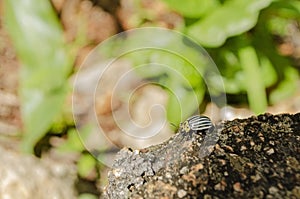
{"type": "Point", "coordinates": [256, 157]}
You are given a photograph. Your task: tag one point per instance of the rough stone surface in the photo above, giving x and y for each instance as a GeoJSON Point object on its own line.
{"type": "Point", "coordinates": [256, 157]}
{"type": "Point", "coordinates": [27, 177]}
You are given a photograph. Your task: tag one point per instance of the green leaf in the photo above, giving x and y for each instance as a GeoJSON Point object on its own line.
{"type": "Point", "coordinates": [287, 87]}
{"type": "Point", "coordinates": [235, 85]}
{"type": "Point", "coordinates": [268, 71]}
{"type": "Point", "coordinates": [86, 164]}
{"type": "Point", "coordinates": [286, 9]}
{"type": "Point", "coordinates": [75, 139]}
{"type": "Point", "coordinates": [38, 111]}
{"type": "Point", "coordinates": [192, 8]}
{"type": "Point", "coordinates": [278, 26]}
{"type": "Point", "coordinates": [253, 80]}
{"type": "Point", "coordinates": [39, 43]}
{"type": "Point", "coordinates": [73, 143]}
{"type": "Point", "coordinates": [296, 5]}
{"type": "Point", "coordinates": [233, 18]}
{"type": "Point", "coordinates": [183, 103]}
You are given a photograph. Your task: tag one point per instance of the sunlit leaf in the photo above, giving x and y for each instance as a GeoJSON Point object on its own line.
{"type": "Point", "coordinates": [268, 72]}
{"type": "Point", "coordinates": [278, 25]}
{"type": "Point", "coordinates": [286, 9]}
{"type": "Point", "coordinates": [38, 39]}
{"type": "Point", "coordinates": [287, 87]}
{"type": "Point", "coordinates": [75, 140]}
{"type": "Point", "coordinates": [253, 80]}
{"type": "Point", "coordinates": [86, 164]}
{"type": "Point", "coordinates": [192, 8]}
{"type": "Point", "coordinates": [73, 143]}
{"type": "Point", "coordinates": [183, 103]}
{"type": "Point", "coordinates": [233, 18]}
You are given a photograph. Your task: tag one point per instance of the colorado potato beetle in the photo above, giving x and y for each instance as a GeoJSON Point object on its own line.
{"type": "Point", "coordinates": [196, 123]}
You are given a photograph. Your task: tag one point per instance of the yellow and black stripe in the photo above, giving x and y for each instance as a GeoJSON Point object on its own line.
{"type": "Point", "coordinates": [196, 123]}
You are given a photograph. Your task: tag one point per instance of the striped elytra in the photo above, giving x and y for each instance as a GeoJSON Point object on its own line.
{"type": "Point", "coordinates": [196, 123]}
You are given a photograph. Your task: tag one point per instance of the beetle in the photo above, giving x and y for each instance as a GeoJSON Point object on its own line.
{"type": "Point", "coordinates": [196, 123]}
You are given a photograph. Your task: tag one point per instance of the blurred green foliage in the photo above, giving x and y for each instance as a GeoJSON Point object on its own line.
{"type": "Point", "coordinates": [46, 63]}
{"type": "Point", "coordinates": [239, 35]}
{"type": "Point", "coordinates": [225, 20]}
{"type": "Point", "coordinates": [171, 62]}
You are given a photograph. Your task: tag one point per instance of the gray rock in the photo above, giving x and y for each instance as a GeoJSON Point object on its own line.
{"type": "Point", "coordinates": [256, 157]}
